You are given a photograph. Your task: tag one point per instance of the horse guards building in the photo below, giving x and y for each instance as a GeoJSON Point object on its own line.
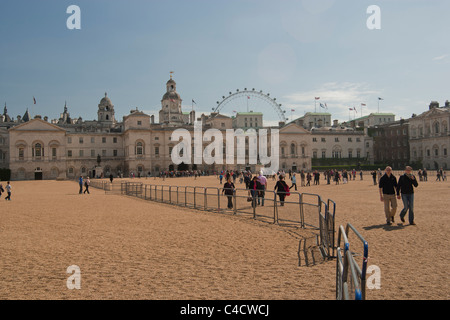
{"type": "Point", "coordinates": [36, 148]}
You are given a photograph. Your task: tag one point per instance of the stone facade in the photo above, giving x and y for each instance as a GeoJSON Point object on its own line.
{"type": "Point", "coordinates": [67, 148]}
{"type": "Point", "coordinates": [430, 137]}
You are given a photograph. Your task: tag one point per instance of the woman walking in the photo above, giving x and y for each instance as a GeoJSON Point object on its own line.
{"type": "Point", "coordinates": [282, 189]}
{"type": "Point", "coordinates": [228, 189]}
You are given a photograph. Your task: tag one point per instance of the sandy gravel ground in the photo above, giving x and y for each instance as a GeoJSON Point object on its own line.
{"type": "Point", "coordinates": [129, 248]}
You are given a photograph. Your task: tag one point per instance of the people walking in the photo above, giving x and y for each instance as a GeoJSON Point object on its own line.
{"type": "Point", "coordinates": [87, 182]}
{"type": "Point", "coordinates": [308, 179]}
{"type": "Point", "coordinates": [374, 177]}
{"type": "Point", "coordinates": [337, 177]}
{"type": "Point", "coordinates": [387, 187]}
{"type": "Point", "coordinates": [405, 186]}
{"type": "Point", "coordinates": [302, 177]}
{"type": "Point", "coordinates": [228, 189]}
{"type": "Point", "coordinates": [294, 182]}
{"type": "Point", "coordinates": [282, 189]}
{"type": "Point", "coordinates": [316, 177]}
{"type": "Point", "coordinates": [254, 187]}
{"type": "Point", "coordinates": [263, 187]}
{"type": "Point", "coordinates": [1, 189]}
{"type": "Point", "coordinates": [8, 190]}
{"type": "Point", "coordinates": [80, 182]}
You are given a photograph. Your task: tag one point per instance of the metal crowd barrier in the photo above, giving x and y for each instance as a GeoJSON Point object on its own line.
{"type": "Point", "coordinates": [353, 286]}
{"type": "Point", "coordinates": [300, 210]}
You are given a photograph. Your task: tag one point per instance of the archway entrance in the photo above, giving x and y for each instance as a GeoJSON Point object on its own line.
{"type": "Point", "coordinates": [38, 174]}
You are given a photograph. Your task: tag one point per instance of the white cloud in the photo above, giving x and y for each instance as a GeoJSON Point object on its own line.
{"type": "Point", "coordinates": [440, 57]}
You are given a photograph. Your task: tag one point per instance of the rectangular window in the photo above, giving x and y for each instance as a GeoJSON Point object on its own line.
{"type": "Point", "coordinates": [157, 151]}
{"type": "Point", "coordinates": [54, 153]}
{"type": "Point", "coordinates": [336, 139]}
{"type": "Point", "coordinates": [69, 153]}
{"type": "Point", "coordinates": [350, 154]}
{"type": "Point", "coordinates": [103, 139]}
{"type": "Point", "coordinates": [445, 151]}
{"type": "Point", "coordinates": [324, 154]}
{"type": "Point", "coordinates": [114, 140]}
{"type": "Point", "coordinates": [103, 153]}
{"type": "Point", "coordinates": [92, 140]}
{"type": "Point", "coordinates": [69, 140]}
{"type": "Point", "coordinates": [314, 139]}
{"type": "Point", "coordinates": [139, 123]}
{"type": "Point", "coordinates": [81, 153]}
{"type": "Point", "coordinates": [349, 139]}
{"type": "Point", "coordinates": [315, 154]}
{"type": "Point", "coordinates": [323, 140]}
{"type": "Point", "coordinates": [92, 153]}
{"type": "Point", "coordinates": [115, 153]}
{"type": "Point", "coordinates": [80, 140]}
{"type": "Point", "coordinates": [21, 153]}
{"type": "Point", "coordinates": [156, 138]}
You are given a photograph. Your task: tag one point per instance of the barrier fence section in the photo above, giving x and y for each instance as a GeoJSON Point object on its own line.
{"type": "Point", "coordinates": [350, 277]}
{"type": "Point", "coordinates": [288, 209]}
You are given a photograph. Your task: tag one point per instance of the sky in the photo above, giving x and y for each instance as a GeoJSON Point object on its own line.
{"type": "Point", "coordinates": [295, 50]}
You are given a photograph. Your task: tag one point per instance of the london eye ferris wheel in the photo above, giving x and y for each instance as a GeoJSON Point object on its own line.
{"type": "Point", "coordinates": [249, 100]}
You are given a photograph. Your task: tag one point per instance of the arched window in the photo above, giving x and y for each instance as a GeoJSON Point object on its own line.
{"type": "Point", "coordinates": [436, 127]}
{"type": "Point", "coordinates": [139, 148]}
{"type": "Point", "coordinates": [38, 151]}
{"type": "Point", "coordinates": [293, 149]}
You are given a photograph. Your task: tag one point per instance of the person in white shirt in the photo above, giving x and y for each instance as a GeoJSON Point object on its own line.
{"type": "Point", "coordinates": [8, 190]}
{"type": "Point", "coordinates": [294, 182]}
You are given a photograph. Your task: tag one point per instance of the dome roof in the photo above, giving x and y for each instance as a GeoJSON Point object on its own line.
{"type": "Point", "coordinates": [171, 81]}
{"type": "Point", "coordinates": [106, 101]}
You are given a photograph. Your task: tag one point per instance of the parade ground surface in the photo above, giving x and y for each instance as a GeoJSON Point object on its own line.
{"type": "Point", "coordinates": [127, 248]}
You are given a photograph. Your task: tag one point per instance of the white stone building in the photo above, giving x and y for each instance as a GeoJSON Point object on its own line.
{"type": "Point", "coordinates": [430, 137]}
{"type": "Point", "coordinates": [67, 148]}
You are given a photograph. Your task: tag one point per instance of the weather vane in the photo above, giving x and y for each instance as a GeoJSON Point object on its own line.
{"type": "Point", "coordinates": [171, 74]}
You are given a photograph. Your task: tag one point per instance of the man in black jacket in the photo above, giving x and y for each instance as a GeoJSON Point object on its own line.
{"type": "Point", "coordinates": [387, 186]}
{"type": "Point", "coordinates": [406, 185]}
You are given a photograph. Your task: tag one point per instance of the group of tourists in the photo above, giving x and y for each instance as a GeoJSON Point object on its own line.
{"type": "Point", "coordinates": [256, 186]}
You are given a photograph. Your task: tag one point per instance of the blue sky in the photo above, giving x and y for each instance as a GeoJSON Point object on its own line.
{"type": "Point", "coordinates": [295, 50]}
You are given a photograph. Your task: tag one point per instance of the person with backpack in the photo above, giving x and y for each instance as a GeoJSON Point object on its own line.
{"type": "Point", "coordinates": [255, 188]}
{"type": "Point", "coordinates": [282, 189]}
